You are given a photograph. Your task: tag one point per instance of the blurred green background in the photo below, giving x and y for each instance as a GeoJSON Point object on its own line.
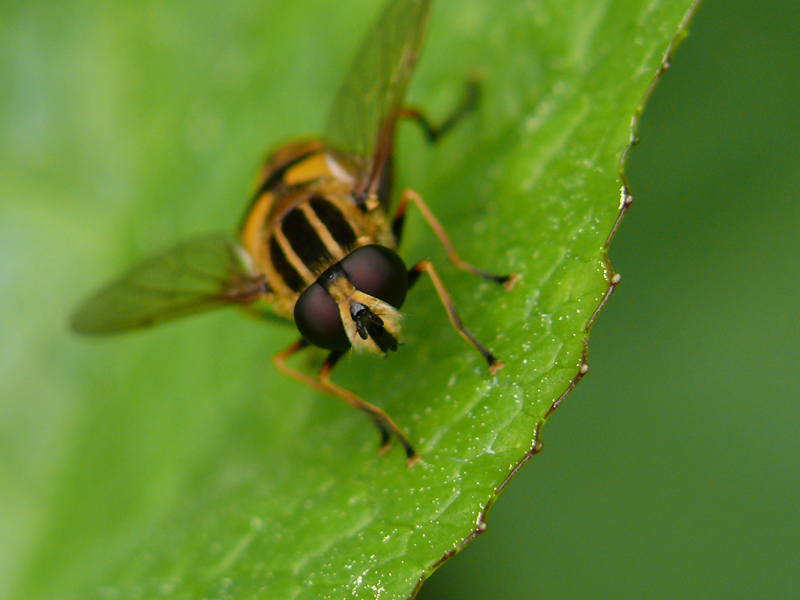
{"type": "Point", "coordinates": [691, 486]}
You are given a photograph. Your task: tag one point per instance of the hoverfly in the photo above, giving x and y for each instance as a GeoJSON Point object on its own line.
{"type": "Point", "coordinates": [316, 242]}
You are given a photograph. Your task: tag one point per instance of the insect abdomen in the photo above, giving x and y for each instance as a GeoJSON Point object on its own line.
{"type": "Point", "coordinates": [306, 239]}
{"type": "Point", "coordinates": [304, 220]}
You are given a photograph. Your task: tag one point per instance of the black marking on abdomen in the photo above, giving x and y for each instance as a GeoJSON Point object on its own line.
{"type": "Point", "coordinates": [335, 222]}
{"type": "Point", "coordinates": [284, 268]}
{"type": "Point", "coordinates": [304, 240]}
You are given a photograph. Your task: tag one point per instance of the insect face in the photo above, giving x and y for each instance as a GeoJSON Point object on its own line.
{"type": "Point", "coordinates": [355, 302]}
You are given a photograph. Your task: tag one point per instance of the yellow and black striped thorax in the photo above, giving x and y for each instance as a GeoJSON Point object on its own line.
{"type": "Point", "coordinates": [304, 219]}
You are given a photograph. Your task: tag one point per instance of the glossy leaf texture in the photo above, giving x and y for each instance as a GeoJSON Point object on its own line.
{"type": "Point", "coordinates": [178, 462]}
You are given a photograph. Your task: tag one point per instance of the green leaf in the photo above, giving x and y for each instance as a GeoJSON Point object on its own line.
{"type": "Point", "coordinates": [178, 462]}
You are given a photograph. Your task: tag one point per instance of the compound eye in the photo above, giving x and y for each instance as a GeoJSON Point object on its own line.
{"type": "Point", "coordinates": [317, 317]}
{"type": "Point", "coordinates": [379, 272]}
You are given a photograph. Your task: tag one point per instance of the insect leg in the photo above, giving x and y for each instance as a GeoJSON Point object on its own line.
{"type": "Point", "coordinates": [280, 363]}
{"type": "Point", "coordinates": [382, 421]}
{"type": "Point", "coordinates": [508, 281]}
{"type": "Point", "coordinates": [432, 132]}
{"type": "Point", "coordinates": [322, 383]}
{"type": "Point", "coordinates": [426, 266]}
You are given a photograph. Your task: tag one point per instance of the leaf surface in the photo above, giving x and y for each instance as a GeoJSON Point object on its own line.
{"type": "Point", "coordinates": [178, 462]}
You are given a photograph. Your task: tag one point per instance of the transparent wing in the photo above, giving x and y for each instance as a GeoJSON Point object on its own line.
{"type": "Point", "coordinates": [201, 274]}
{"type": "Point", "coordinates": [361, 125]}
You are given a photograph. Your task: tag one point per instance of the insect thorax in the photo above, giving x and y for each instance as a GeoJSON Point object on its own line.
{"type": "Point", "coordinates": [303, 219]}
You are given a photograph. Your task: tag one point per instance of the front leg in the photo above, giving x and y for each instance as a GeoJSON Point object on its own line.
{"type": "Point", "coordinates": [323, 383]}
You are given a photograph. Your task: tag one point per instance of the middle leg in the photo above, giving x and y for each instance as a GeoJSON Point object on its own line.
{"type": "Point", "coordinates": [507, 281]}
{"type": "Point", "coordinates": [426, 266]}
{"type": "Point", "coordinates": [323, 383]}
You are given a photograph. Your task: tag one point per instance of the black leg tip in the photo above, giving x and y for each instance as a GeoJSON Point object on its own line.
{"type": "Point", "coordinates": [495, 365]}
{"type": "Point", "coordinates": [508, 281]}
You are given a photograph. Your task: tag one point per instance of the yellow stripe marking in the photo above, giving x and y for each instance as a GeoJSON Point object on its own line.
{"type": "Point", "coordinates": [293, 259]}
{"type": "Point", "coordinates": [251, 232]}
{"type": "Point", "coordinates": [307, 170]}
{"type": "Point", "coordinates": [334, 249]}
